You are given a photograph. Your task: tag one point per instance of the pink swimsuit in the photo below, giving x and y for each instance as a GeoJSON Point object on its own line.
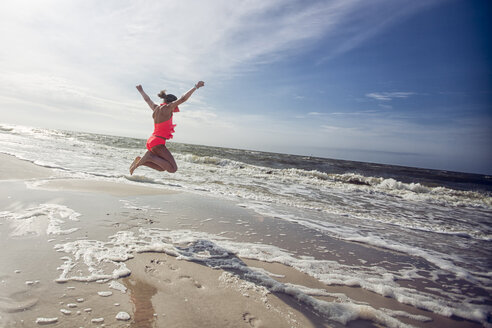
{"type": "Point", "coordinates": [162, 131]}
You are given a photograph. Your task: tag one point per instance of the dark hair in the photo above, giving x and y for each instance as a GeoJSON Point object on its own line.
{"type": "Point", "coordinates": [168, 98]}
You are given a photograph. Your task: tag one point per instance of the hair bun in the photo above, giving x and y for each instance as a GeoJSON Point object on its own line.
{"type": "Point", "coordinates": [162, 94]}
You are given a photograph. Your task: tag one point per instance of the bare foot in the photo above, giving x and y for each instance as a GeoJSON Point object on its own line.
{"type": "Point", "coordinates": [134, 165]}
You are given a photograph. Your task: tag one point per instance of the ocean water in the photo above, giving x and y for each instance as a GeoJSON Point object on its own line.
{"type": "Point", "coordinates": [441, 218]}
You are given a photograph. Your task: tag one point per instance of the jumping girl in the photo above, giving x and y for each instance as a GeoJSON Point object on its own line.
{"type": "Point", "coordinates": [158, 156]}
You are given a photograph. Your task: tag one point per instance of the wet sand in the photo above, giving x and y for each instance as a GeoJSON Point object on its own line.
{"type": "Point", "coordinates": [187, 294]}
{"type": "Point", "coordinates": [108, 187]}
{"type": "Point", "coordinates": [12, 168]}
{"type": "Point", "coordinates": [163, 291]}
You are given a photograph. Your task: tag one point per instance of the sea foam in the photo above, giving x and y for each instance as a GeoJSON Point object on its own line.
{"type": "Point", "coordinates": [42, 219]}
{"type": "Point", "coordinates": [220, 252]}
{"type": "Point", "coordinates": [44, 321]}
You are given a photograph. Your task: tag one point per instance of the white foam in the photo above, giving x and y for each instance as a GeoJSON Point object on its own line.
{"type": "Point", "coordinates": [245, 287]}
{"type": "Point", "coordinates": [105, 293]}
{"type": "Point", "coordinates": [266, 272]}
{"type": "Point", "coordinates": [404, 314]}
{"type": "Point", "coordinates": [123, 316]}
{"type": "Point", "coordinates": [220, 252]}
{"type": "Point", "coordinates": [116, 285]}
{"type": "Point", "coordinates": [45, 321]}
{"type": "Point", "coordinates": [308, 290]}
{"type": "Point", "coordinates": [93, 253]}
{"type": "Point", "coordinates": [65, 311]}
{"type": "Point", "coordinates": [416, 191]}
{"type": "Point", "coordinates": [340, 312]}
{"type": "Point", "coordinates": [42, 219]}
{"type": "Point", "coordinates": [451, 263]}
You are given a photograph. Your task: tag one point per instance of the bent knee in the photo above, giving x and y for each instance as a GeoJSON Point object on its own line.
{"type": "Point", "coordinates": [174, 168]}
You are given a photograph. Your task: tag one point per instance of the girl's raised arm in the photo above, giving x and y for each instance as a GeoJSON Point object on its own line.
{"type": "Point", "coordinates": [187, 95]}
{"type": "Point", "coordinates": [147, 99]}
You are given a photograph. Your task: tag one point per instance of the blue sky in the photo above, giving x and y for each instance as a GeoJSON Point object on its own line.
{"type": "Point", "coordinates": [388, 81]}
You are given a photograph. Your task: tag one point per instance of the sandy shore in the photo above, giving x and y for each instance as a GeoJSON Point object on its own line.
{"type": "Point", "coordinates": [164, 288]}
{"type": "Point", "coordinates": [108, 187]}
{"type": "Point", "coordinates": [161, 291]}
{"type": "Point", "coordinates": [15, 169]}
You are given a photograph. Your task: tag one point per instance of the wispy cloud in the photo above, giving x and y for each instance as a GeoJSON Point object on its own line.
{"type": "Point", "coordinates": [90, 54]}
{"type": "Point", "coordinates": [133, 38]}
{"type": "Point", "coordinates": [388, 96]}
{"type": "Point", "coordinates": [81, 58]}
{"type": "Point", "coordinates": [74, 57]}
{"type": "Point", "coordinates": [356, 113]}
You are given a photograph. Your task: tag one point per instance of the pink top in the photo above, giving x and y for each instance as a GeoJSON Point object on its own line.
{"type": "Point", "coordinates": [165, 129]}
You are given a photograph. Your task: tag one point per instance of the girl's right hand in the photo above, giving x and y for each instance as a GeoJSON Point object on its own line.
{"type": "Point", "coordinates": [199, 84]}
{"type": "Point", "coordinates": [139, 87]}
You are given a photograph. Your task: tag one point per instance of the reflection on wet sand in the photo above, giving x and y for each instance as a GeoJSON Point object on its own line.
{"type": "Point", "coordinates": [141, 297]}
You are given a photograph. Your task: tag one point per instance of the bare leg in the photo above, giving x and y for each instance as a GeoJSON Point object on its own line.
{"type": "Point", "coordinates": [153, 166]}
{"type": "Point", "coordinates": [146, 160]}
{"type": "Point", "coordinates": [134, 165]}
{"type": "Point", "coordinates": [152, 160]}
{"type": "Point", "coordinates": [163, 153]}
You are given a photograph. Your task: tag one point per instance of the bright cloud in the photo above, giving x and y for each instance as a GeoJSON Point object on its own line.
{"type": "Point", "coordinates": [387, 96]}
{"type": "Point", "coordinates": [96, 44]}
{"type": "Point", "coordinates": [176, 41]}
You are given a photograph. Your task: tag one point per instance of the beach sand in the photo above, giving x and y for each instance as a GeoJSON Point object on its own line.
{"type": "Point", "coordinates": [163, 288]}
